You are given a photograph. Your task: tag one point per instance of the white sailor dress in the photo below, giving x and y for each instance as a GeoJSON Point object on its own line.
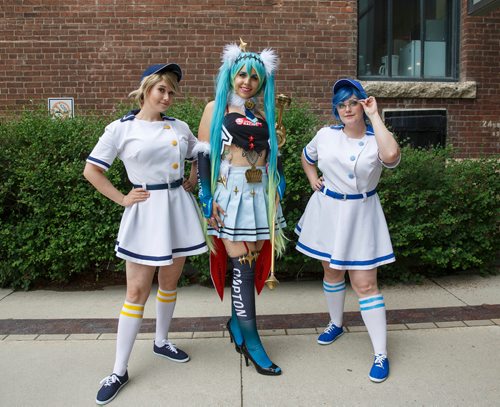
{"type": "Point", "coordinates": [167, 224]}
{"type": "Point", "coordinates": [343, 223]}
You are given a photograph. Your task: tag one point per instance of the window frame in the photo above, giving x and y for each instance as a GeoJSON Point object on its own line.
{"type": "Point", "coordinates": [453, 39]}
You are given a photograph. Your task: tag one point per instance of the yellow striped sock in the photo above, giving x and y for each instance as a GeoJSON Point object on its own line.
{"type": "Point", "coordinates": [132, 310]}
{"type": "Point", "coordinates": [166, 296]}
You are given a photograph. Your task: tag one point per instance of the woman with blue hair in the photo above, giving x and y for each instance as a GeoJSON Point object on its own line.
{"type": "Point", "coordinates": [240, 180]}
{"type": "Point", "coordinates": [343, 225]}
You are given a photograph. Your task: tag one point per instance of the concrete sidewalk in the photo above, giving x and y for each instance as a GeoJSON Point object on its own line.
{"type": "Point", "coordinates": [449, 358]}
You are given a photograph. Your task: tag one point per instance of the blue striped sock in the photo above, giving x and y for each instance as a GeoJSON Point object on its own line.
{"type": "Point", "coordinates": [374, 316]}
{"type": "Point", "coordinates": [335, 297]}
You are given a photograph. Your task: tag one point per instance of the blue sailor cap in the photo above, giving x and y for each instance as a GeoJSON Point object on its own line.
{"type": "Point", "coordinates": [163, 68]}
{"type": "Point", "coordinates": [349, 82]}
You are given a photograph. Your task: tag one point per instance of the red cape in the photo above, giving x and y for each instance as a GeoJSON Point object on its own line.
{"type": "Point", "coordinates": [218, 266]}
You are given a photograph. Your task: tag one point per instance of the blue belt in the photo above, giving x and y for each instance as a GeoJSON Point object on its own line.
{"type": "Point", "coordinates": [336, 195]}
{"type": "Point", "coordinates": [156, 187]}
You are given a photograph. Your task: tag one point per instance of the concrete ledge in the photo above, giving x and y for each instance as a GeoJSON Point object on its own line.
{"type": "Point", "coordinates": [357, 328]}
{"type": "Point", "coordinates": [209, 334]}
{"type": "Point", "coordinates": [52, 337]}
{"type": "Point", "coordinates": [301, 331]}
{"type": "Point", "coordinates": [421, 325]}
{"type": "Point", "coordinates": [396, 327]}
{"type": "Point", "coordinates": [272, 332]}
{"type": "Point", "coordinates": [82, 337]}
{"type": "Point", "coordinates": [180, 335]}
{"type": "Point", "coordinates": [107, 337]}
{"type": "Point", "coordinates": [421, 90]}
{"type": "Point", "coordinates": [264, 332]}
{"type": "Point", "coordinates": [20, 338]}
{"type": "Point", "coordinates": [450, 324]}
{"type": "Point", "coordinates": [481, 322]}
{"type": "Point", "coordinates": [266, 323]}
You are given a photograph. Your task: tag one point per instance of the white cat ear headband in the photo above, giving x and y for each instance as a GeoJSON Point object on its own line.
{"type": "Point", "coordinates": [233, 53]}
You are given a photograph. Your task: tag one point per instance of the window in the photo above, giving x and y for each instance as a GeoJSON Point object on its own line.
{"type": "Point", "coordinates": [417, 127]}
{"type": "Point", "coordinates": [421, 36]}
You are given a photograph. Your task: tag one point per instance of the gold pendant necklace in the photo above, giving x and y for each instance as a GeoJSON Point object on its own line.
{"type": "Point", "coordinates": [252, 175]}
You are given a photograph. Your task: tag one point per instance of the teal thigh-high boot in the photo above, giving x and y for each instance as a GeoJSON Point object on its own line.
{"type": "Point", "coordinates": [233, 327]}
{"type": "Point", "coordinates": [243, 305]}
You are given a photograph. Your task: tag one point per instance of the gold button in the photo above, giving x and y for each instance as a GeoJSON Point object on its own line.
{"type": "Point", "coordinates": [166, 126]}
{"type": "Point", "coordinates": [175, 166]}
{"type": "Point", "coordinates": [174, 142]}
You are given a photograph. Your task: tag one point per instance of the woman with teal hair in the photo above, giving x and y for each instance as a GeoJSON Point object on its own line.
{"type": "Point", "coordinates": [241, 181]}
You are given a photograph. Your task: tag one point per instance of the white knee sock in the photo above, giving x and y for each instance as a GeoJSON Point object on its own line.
{"type": "Point", "coordinates": [373, 313]}
{"type": "Point", "coordinates": [165, 305]}
{"type": "Point", "coordinates": [335, 297]}
{"type": "Point", "coordinates": [128, 327]}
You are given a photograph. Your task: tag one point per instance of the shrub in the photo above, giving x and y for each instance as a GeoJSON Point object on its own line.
{"type": "Point", "coordinates": [442, 213]}
{"type": "Point", "coordinates": [54, 226]}
{"type": "Point", "coordinates": [53, 223]}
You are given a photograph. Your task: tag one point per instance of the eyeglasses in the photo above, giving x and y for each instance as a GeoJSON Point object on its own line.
{"type": "Point", "coordinates": [351, 103]}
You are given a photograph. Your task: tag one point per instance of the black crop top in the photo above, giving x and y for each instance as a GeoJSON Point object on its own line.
{"type": "Point", "coordinates": [247, 134]}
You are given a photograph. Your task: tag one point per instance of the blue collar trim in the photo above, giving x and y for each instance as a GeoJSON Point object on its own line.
{"type": "Point", "coordinates": [131, 116]}
{"type": "Point", "coordinates": [369, 128]}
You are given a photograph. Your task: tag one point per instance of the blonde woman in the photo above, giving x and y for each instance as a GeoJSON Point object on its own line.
{"type": "Point", "coordinates": [160, 225]}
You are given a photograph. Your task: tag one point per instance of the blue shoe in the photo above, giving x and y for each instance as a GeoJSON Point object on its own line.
{"type": "Point", "coordinates": [380, 368]}
{"type": "Point", "coordinates": [330, 334]}
{"type": "Point", "coordinates": [170, 351]}
{"type": "Point", "coordinates": [111, 385]}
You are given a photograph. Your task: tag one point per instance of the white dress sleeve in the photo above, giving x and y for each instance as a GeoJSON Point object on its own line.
{"type": "Point", "coordinates": [192, 152]}
{"type": "Point", "coordinates": [106, 150]}
{"type": "Point", "coordinates": [310, 151]}
{"type": "Point", "coordinates": [390, 165]}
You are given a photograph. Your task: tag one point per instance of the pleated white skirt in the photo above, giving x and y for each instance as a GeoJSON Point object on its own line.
{"type": "Point", "coordinates": [350, 234]}
{"type": "Point", "coordinates": [165, 226]}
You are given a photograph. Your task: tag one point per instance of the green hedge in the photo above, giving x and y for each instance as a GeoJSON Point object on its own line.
{"type": "Point", "coordinates": [54, 227]}
{"type": "Point", "coordinates": [443, 214]}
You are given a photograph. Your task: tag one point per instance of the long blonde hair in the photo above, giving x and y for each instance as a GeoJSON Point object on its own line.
{"type": "Point", "coordinates": [149, 81]}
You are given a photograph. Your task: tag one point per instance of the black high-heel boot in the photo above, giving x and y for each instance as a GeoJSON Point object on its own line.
{"type": "Point", "coordinates": [231, 337]}
{"type": "Point", "coordinates": [273, 370]}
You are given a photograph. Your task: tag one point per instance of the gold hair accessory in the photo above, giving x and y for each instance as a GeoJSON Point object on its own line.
{"type": "Point", "coordinates": [243, 45]}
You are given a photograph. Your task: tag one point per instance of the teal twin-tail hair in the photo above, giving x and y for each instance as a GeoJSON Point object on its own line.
{"type": "Point", "coordinates": [224, 85]}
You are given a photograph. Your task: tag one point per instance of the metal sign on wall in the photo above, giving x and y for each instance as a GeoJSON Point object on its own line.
{"type": "Point", "coordinates": [61, 108]}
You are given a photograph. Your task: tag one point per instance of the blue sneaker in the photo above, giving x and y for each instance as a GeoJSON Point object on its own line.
{"type": "Point", "coordinates": [330, 334]}
{"type": "Point", "coordinates": [170, 351]}
{"type": "Point", "coordinates": [380, 368]}
{"type": "Point", "coordinates": [111, 385]}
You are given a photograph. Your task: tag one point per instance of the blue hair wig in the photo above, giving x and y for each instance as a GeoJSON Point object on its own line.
{"type": "Point", "coordinates": [250, 61]}
{"type": "Point", "coordinates": [342, 95]}
{"type": "Point", "coordinates": [223, 87]}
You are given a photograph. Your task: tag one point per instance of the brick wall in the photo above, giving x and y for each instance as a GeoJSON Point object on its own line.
{"type": "Point", "coordinates": [96, 50]}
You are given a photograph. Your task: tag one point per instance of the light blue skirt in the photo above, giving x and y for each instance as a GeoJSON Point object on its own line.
{"type": "Point", "coordinates": [245, 206]}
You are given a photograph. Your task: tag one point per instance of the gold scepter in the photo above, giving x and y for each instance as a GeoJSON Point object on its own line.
{"type": "Point", "coordinates": [282, 101]}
